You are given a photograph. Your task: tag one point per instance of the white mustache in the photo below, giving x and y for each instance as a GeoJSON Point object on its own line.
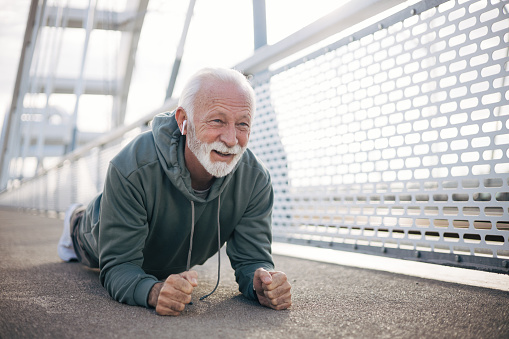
{"type": "Point", "coordinates": [222, 148]}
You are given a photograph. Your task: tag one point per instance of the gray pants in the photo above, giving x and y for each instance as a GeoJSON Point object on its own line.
{"type": "Point", "coordinates": [79, 249]}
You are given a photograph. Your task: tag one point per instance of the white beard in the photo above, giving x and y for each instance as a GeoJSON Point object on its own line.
{"type": "Point", "coordinates": [202, 152]}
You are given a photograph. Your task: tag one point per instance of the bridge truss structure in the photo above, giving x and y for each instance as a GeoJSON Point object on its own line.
{"type": "Point", "coordinates": [34, 126]}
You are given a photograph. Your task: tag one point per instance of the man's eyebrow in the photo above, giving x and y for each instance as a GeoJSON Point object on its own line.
{"type": "Point", "coordinates": [211, 115]}
{"type": "Point", "coordinates": [246, 116]}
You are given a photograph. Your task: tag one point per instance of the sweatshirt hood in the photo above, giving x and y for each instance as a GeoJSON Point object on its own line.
{"type": "Point", "coordinates": [170, 146]}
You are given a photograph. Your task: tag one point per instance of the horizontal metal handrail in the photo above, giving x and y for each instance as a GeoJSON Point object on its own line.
{"type": "Point", "coordinates": [346, 18]}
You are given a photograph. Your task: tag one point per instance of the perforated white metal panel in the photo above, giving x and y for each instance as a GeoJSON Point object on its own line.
{"type": "Point", "coordinates": [398, 140]}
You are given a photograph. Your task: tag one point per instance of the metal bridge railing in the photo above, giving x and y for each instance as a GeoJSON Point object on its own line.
{"type": "Point", "coordinates": [391, 140]}
{"type": "Point", "coordinates": [395, 141]}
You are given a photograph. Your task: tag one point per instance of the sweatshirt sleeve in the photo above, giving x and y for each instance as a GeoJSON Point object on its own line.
{"type": "Point", "coordinates": [123, 230]}
{"type": "Point", "coordinates": [249, 247]}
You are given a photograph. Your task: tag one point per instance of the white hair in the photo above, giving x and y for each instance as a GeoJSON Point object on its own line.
{"type": "Point", "coordinates": [188, 97]}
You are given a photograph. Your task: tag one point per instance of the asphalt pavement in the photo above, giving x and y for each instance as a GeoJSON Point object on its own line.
{"type": "Point", "coordinates": [43, 297]}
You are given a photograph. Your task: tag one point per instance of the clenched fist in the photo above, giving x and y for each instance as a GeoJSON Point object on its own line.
{"type": "Point", "coordinates": [170, 297]}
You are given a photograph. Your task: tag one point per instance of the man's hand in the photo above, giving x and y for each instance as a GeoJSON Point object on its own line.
{"type": "Point", "coordinates": [272, 289]}
{"type": "Point", "coordinates": [171, 297]}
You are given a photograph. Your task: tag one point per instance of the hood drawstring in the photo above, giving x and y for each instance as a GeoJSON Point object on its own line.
{"type": "Point", "coordinates": [188, 267]}
{"type": "Point", "coordinates": [218, 248]}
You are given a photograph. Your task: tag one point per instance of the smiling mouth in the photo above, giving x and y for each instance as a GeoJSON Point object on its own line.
{"type": "Point", "coordinates": [223, 154]}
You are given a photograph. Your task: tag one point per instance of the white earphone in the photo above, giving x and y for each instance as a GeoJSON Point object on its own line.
{"type": "Point", "coordinates": [183, 127]}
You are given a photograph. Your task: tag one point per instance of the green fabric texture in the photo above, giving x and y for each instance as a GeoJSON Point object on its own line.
{"type": "Point", "coordinates": [139, 227]}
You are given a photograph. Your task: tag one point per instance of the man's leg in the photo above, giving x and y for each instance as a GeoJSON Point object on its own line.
{"type": "Point", "coordinates": [81, 253]}
{"type": "Point", "coordinates": [65, 245]}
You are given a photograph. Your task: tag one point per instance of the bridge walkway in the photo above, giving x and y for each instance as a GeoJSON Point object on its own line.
{"type": "Point", "coordinates": [40, 296]}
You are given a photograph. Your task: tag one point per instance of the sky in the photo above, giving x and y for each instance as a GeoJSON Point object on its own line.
{"type": "Point", "coordinates": [221, 34]}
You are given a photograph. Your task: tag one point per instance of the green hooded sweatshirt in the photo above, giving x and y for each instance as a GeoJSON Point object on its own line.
{"type": "Point", "coordinates": [139, 228]}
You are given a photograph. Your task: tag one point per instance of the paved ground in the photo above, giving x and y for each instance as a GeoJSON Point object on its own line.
{"type": "Point", "coordinates": [42, 297]}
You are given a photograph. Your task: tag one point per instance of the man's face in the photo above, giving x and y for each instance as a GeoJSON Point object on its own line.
{"type": "Point", "coordinates": [219, 134]}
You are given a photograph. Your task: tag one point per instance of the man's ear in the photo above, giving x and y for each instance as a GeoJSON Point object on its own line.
{"type": "Point", "coordinates": [181, 117]}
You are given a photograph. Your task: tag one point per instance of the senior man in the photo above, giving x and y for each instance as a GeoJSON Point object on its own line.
{"type": "Point", "coordinates": [174, 195]}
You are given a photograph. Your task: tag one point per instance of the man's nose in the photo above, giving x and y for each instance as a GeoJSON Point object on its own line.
{"type": "Point", "coordinates": [229, 136]}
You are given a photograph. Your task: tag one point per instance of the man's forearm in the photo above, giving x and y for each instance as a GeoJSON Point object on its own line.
{"type": "Point", "coordinates": [154, 294]}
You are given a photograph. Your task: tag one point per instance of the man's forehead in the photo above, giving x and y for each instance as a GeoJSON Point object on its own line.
{"type": "Point", "coordinates": [224, 94]}
{"type": "Point", "coordinates": [218, 88]}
